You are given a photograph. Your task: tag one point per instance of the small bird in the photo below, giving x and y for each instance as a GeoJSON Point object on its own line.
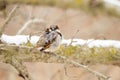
{"type": "Point", "coordinates": [50, 40]}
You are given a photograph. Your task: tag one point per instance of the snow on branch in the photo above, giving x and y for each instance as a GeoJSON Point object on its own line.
{"type": "Point", "coordinates": [21, 39]}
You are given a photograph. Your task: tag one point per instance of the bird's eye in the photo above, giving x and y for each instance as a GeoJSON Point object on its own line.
{"type": "Point", "coordinates": [47, 31]}
{"type": "Point", "coordinates": [51, 29]}
{"type": "Point", "coordinates": [56, 27]}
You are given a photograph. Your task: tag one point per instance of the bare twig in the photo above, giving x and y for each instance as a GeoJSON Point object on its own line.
{"type": "Point", "coordinates": [8, 19]}
{"type": "Point", "coordinates": [83, 66]}
{"type": "Point", "coordinates": [32, 20]}
{"type": "Point", "coordinates": [73, 37]}
{"type": "Point", "coordinates": [65, 63]}
{"type": "Point", "coordinates": [29, 22]}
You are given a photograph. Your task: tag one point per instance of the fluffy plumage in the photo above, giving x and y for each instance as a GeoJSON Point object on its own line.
{"type": "Point", "coordinates": [50, 40]}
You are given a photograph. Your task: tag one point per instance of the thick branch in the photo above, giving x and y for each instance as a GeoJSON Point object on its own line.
{"type": "Point", "coordinates": [24, 54]}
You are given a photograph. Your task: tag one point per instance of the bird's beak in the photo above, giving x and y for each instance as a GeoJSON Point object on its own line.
{"type": "Point", "coordinates": [58, 31]}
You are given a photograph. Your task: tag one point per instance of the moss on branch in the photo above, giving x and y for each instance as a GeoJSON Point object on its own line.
{"type": "Point", "coordinates": [76, 55]}
{"type": "Point", "coordinates": [81, 54]}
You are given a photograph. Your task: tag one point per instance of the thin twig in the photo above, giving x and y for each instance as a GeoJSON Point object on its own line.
{"type": "Point", "coordinates": [28, 23]}
{"type": "Point", "coordinates": [8, 19]}
{"type": "Point", "coordinates": [83, 66]}
{"type": "Point", "coordinates": [32, 20]}
{"type": "Point", "coordinates": [73, 37]}
{"type": "Point", "coordinates": [65, 63]}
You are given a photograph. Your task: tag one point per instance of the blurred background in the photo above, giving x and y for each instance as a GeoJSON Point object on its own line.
{"type": "Point", "coordinates": [98, 19]}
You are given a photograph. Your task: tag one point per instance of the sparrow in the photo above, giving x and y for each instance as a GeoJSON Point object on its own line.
{"type": "Point", "coordinates": [50, 40]}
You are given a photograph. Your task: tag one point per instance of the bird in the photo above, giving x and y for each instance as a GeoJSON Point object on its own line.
{"type": "Point", "coordinates": [50, 40]}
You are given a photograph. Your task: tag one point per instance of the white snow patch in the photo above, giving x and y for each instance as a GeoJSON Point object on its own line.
{"type": "Point", "coordinates": [20, 39]}
{"type": "Point", "coordinates": [113, 2]}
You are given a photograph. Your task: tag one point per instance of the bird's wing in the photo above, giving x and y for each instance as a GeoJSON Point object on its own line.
{"type": "Point", "coordinates": [50, 39]}
{"type": "Point", "coordinates": [41, 42]}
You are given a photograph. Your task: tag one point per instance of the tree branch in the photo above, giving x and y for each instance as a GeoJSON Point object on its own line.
{"type": "Point", "coordinates": [42, 57]}
{"type": "Point", "coordinates": [8, 19]}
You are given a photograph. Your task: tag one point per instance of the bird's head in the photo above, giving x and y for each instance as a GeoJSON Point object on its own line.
{"type": "Point", "coordinates": [54, 27]}
{"type": "Point", "coordinates": [47, 31]}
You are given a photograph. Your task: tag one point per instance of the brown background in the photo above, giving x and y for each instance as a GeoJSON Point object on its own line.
{"type": "Point", "coordinates": [90, 26]}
